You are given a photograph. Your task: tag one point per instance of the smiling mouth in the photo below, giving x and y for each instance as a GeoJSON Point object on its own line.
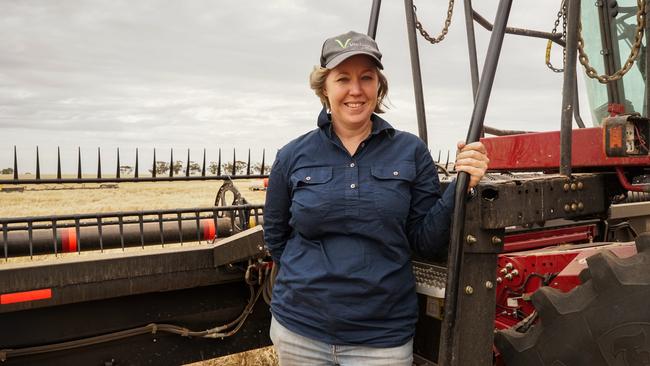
{"type": "Point", "coordinates": [354, 104]}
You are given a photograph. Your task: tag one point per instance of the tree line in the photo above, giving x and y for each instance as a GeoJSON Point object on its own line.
{"type": "Point", "coordinates": [163, 167]}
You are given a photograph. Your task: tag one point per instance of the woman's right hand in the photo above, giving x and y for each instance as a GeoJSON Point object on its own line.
{"type": "Point", "coordinates": [473, 160]}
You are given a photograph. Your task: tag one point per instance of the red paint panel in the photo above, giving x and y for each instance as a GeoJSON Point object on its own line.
{"type": "Point", "coordinates": [69, 240]}
{"type": "Point", "coordinates": [528, 265]}
{"type": "Point", "coordinates": [538, 239]}
{"type": "Point", "coordinates": [541, 151]}
{"type": "Point", "coordinates": [544, 242]}
{"type": "Point", "coordinates": [566, 263]}
{"type": "Point", "coordinates": [25, 296]}
{"type": "Point", "coordinates": [209, 231]}
{"type": "Point", "coordinates": [65, 241]}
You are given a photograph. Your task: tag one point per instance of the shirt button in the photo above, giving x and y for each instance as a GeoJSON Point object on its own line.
{"type": "Point", "coordinates": [307, 178]}
{"type": "Point", "coordinates": [353, 186]}
{"type": "Point", "coordinates": [396, 173]}
{"type": "Point", "coordinates": [351, 165]}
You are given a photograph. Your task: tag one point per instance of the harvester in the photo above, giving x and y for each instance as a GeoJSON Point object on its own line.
{"type": "Point", "coordinates": [548, 262]}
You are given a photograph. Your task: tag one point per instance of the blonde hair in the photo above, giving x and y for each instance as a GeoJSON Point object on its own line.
{"type": "Point", "coordinates": [317, 84]}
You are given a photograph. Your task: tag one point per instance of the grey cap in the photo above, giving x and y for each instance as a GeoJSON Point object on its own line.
{"type": "Point", "coordinates": [340, 48]}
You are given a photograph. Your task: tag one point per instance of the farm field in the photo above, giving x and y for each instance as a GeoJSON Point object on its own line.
{"type": "Point", "coordinates": [38, 200]}
{"type": "Point", "coordinates": [51, 199]}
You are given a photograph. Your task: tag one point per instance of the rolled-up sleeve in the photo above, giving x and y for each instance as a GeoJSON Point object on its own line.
{"type": "Point", "coordinates": [429, 219]}
{"type": "Point", "coordinates": [276, 209]}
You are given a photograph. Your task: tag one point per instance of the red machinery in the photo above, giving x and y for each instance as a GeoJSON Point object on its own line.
{"type": "Point", "coordinates": [525, 265]}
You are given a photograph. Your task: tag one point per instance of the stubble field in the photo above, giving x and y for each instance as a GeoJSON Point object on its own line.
{"type": "Point", "coordinates": [39, 200]}
{"type": "Point", "coordinates": [50, 199]}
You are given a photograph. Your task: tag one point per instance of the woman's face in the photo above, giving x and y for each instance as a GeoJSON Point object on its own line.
{"type": "Point", "coordinates": [351, 88]}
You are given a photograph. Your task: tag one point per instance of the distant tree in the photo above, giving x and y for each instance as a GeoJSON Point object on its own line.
{"type": "Point", "coordinates": [195, 168]}
{"type": "Point", "coordinates": [162, 167]}
{"type": "Point", "coordinates": [240, 167]}
{"type": "Point", "coordinates": [7, 171]}
{"type": "Point", "coordinates": [178, 167]}
{"type": "Point", "coordinates": [257, 169]}
{"type": "Point", "coordinates": [213, 167]}
{"type": "Point", "coordinates": [126, 169]}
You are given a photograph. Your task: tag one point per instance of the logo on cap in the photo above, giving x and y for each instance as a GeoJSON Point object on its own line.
{"type": "Point", "coordinates": [344, 45]}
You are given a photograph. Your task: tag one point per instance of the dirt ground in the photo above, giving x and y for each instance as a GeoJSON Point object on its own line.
{"type": "Point", "coordinates": [259, 357]}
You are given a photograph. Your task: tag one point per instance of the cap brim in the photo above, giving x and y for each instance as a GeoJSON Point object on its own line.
{"type": "Point", "coordinates": [334, 62]}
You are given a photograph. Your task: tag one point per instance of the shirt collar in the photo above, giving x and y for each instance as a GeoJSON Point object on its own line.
{"type": "Point", "coordinates": [378, 124]}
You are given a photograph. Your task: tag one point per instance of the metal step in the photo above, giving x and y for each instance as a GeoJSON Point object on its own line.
{"type": "Point", "coordinates": [430, 279]}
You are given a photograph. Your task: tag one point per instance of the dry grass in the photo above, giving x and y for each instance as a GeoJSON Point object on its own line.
{"type": "Point", "coordinates": [259, 357]}
{"type": "Point", "coordinates": [88, 198]}
{"type": "Point", "coordinates": [51, 199]}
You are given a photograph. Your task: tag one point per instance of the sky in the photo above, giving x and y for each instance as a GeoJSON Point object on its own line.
{"type": "Point", "coordinates": [216, 74]}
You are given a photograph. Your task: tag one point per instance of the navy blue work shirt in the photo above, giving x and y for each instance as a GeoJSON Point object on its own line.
{"type": "Point", "coordinates": [343, 229]}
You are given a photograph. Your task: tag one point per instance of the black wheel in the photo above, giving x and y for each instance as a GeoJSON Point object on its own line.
{"type": "Point", "coordinates": [604, 321]}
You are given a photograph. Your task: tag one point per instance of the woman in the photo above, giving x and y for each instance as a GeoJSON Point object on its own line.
{"type": "Point", "coordinates": [347, 205]}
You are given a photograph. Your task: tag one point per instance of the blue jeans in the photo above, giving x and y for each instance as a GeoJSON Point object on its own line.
{"type": "Point", "coordinates": [296, 350]}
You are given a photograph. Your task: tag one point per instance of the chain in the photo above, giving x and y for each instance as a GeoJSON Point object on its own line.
{"type": "Point", "coordinates": [634, 51]}
{"type": "Point", "coordinates": [561, 14]}
{"type": "Point", "coordinates": [445, 29]}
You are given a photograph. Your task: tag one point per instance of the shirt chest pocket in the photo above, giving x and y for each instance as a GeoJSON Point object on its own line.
{"type": "Point", "coordinates": [391, 186]}
{"type": "Point", "coordinates": [311, 193]}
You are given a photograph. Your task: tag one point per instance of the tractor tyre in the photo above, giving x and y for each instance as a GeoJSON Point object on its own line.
{"type": "Point", "coordinates": [604, 321]}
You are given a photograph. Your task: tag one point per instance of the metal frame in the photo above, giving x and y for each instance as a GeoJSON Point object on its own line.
{"type": "Point", "coordinates": [374, 18]}
{"type": "Point", "coordinates": [197, 307]}
{"type": "Point", "coordinates": [452, 340]}
{"type": "Point", "coordinates": [99, 231]}
{"type": "Point", "coordinates": [568, 87]}
{"type": "Point", "coordinates": [463, 268]}
{"type": "Point", "coordinates": [470, 16]}
{"type": "Point", "coordinates": [543, 197]}
{"type": "Point", "coordinates": [107, 275]}
{"type": "Point", "coordinates": [416, 71]}
{"type": "Point", "coordinates": [97, 295]}
{"type": "Point", "coordinates": [489, 211]}
{"type": "Point", "coordinates": [557, 38]}
{"type": "Point", "coordinates": [471, 45]}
